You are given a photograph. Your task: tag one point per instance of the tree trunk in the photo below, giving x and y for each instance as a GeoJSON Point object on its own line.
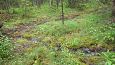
{"type": "Point", "coordinates": [113, 8]}
{"type": "Point", "coordinates": [62, 11]}
{"type": "Point", "coordinates": [57, 3]}
{"type": "Point", "coordinates": [1, 24]}
{"type": "Point", "coordinates": [71, 3]}
{"type": "Point", "coordinates": [51, 2]}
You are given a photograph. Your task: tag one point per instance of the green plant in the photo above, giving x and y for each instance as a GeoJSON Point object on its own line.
{"type": "Point", "coordinates": [6, 48]}
{"type": "Point", "coordinates": [57, 29]}
{"type": "Point", "coordinates": [72, 42]}
{"type": "Point", "coordinates": [22, 41]}
{"type": "Point", "coordinates": [109, 57]}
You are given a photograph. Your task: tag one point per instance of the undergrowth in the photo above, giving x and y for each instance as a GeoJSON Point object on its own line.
{"type": "Point", "coordinates": [57, 28]}
{"type": "Point", "coordinates": [6, 49]}
{"type": "Point", "coordinates": [82, 31]}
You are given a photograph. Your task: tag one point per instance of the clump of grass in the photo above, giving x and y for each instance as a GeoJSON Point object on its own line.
{"type": "Point", "coordinates": [28, 35]}
{"type": "Point", "coordinates": [109, 58]}
{"type": "Point", "coordinates": [72, 42]}
{"type": "Point", "coordinates": [43, 55]}
{"type": "Point", "coordinates": [57, 28]}
{"type": "Point", "coordinates": [21, 41]}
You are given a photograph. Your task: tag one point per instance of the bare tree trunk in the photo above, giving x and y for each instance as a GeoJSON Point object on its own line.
{"type": "Point", "coordinates": [57, 3]}
{"type": "Point", "coordinates": [7, 6]}
{"type": "Point", "coordinates": [62, 11]}
{"type": "Point", "coordinates": [1, 24]}
{"type": "Point", "coordinates": [113, 8]}
{"type": "Point", "coordinates": [71, 3]}
{"type": "Point", "coordinates": [50, 3]}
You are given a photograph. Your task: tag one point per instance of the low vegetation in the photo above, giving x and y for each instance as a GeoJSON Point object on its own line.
{"type": "Point", "coordinates": [35, 35]}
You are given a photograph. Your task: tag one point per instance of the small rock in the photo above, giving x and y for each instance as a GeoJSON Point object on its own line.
{"type": "Point", "coordinates": [34, 40]}
{"type": "Point", "coordinates": [86, 50]}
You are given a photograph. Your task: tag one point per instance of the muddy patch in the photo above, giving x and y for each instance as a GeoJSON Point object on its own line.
{"type": "Point", "coordinates": [91, 51]}
{"type": "Point", "coordinates": [17, 32]}
{"type": "Point", "coordinates": [91, 55]}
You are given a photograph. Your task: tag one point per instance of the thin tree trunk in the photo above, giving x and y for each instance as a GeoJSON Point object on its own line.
{"type": "Point", "coordinates": [7, 6]}
{"type": "Point", "coordinates": [113, 8]}
{"type": "Point", "coordinates": [50, 3]}
{"type": "Point", "coordinates": [62, 11]}
{"type": "Point", "coordinates": [57, 3]}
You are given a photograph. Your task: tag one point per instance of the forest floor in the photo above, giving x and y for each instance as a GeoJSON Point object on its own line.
{"type": "Point", "coordinates": [46, 41]}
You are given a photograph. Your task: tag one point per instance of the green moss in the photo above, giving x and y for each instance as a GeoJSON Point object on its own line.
{"type": "Point", "coordinates": [28, 35]}
{"type": "Point", "coordinates": [21, 41]}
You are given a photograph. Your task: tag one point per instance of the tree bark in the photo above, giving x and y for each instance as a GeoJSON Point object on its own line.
{"type": "Point", "coordinates": [1, 24]}
{"type": "Point", "coordinates": [113, 8]}
{"type": "Point", "coordinates": [71, 3]}
{"type": "Point", "coordinates": [57, 3]}
{"type": "Point", "coordinates": [51, 2]}
{"type": "Point", "coordinates": [62, 11]}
